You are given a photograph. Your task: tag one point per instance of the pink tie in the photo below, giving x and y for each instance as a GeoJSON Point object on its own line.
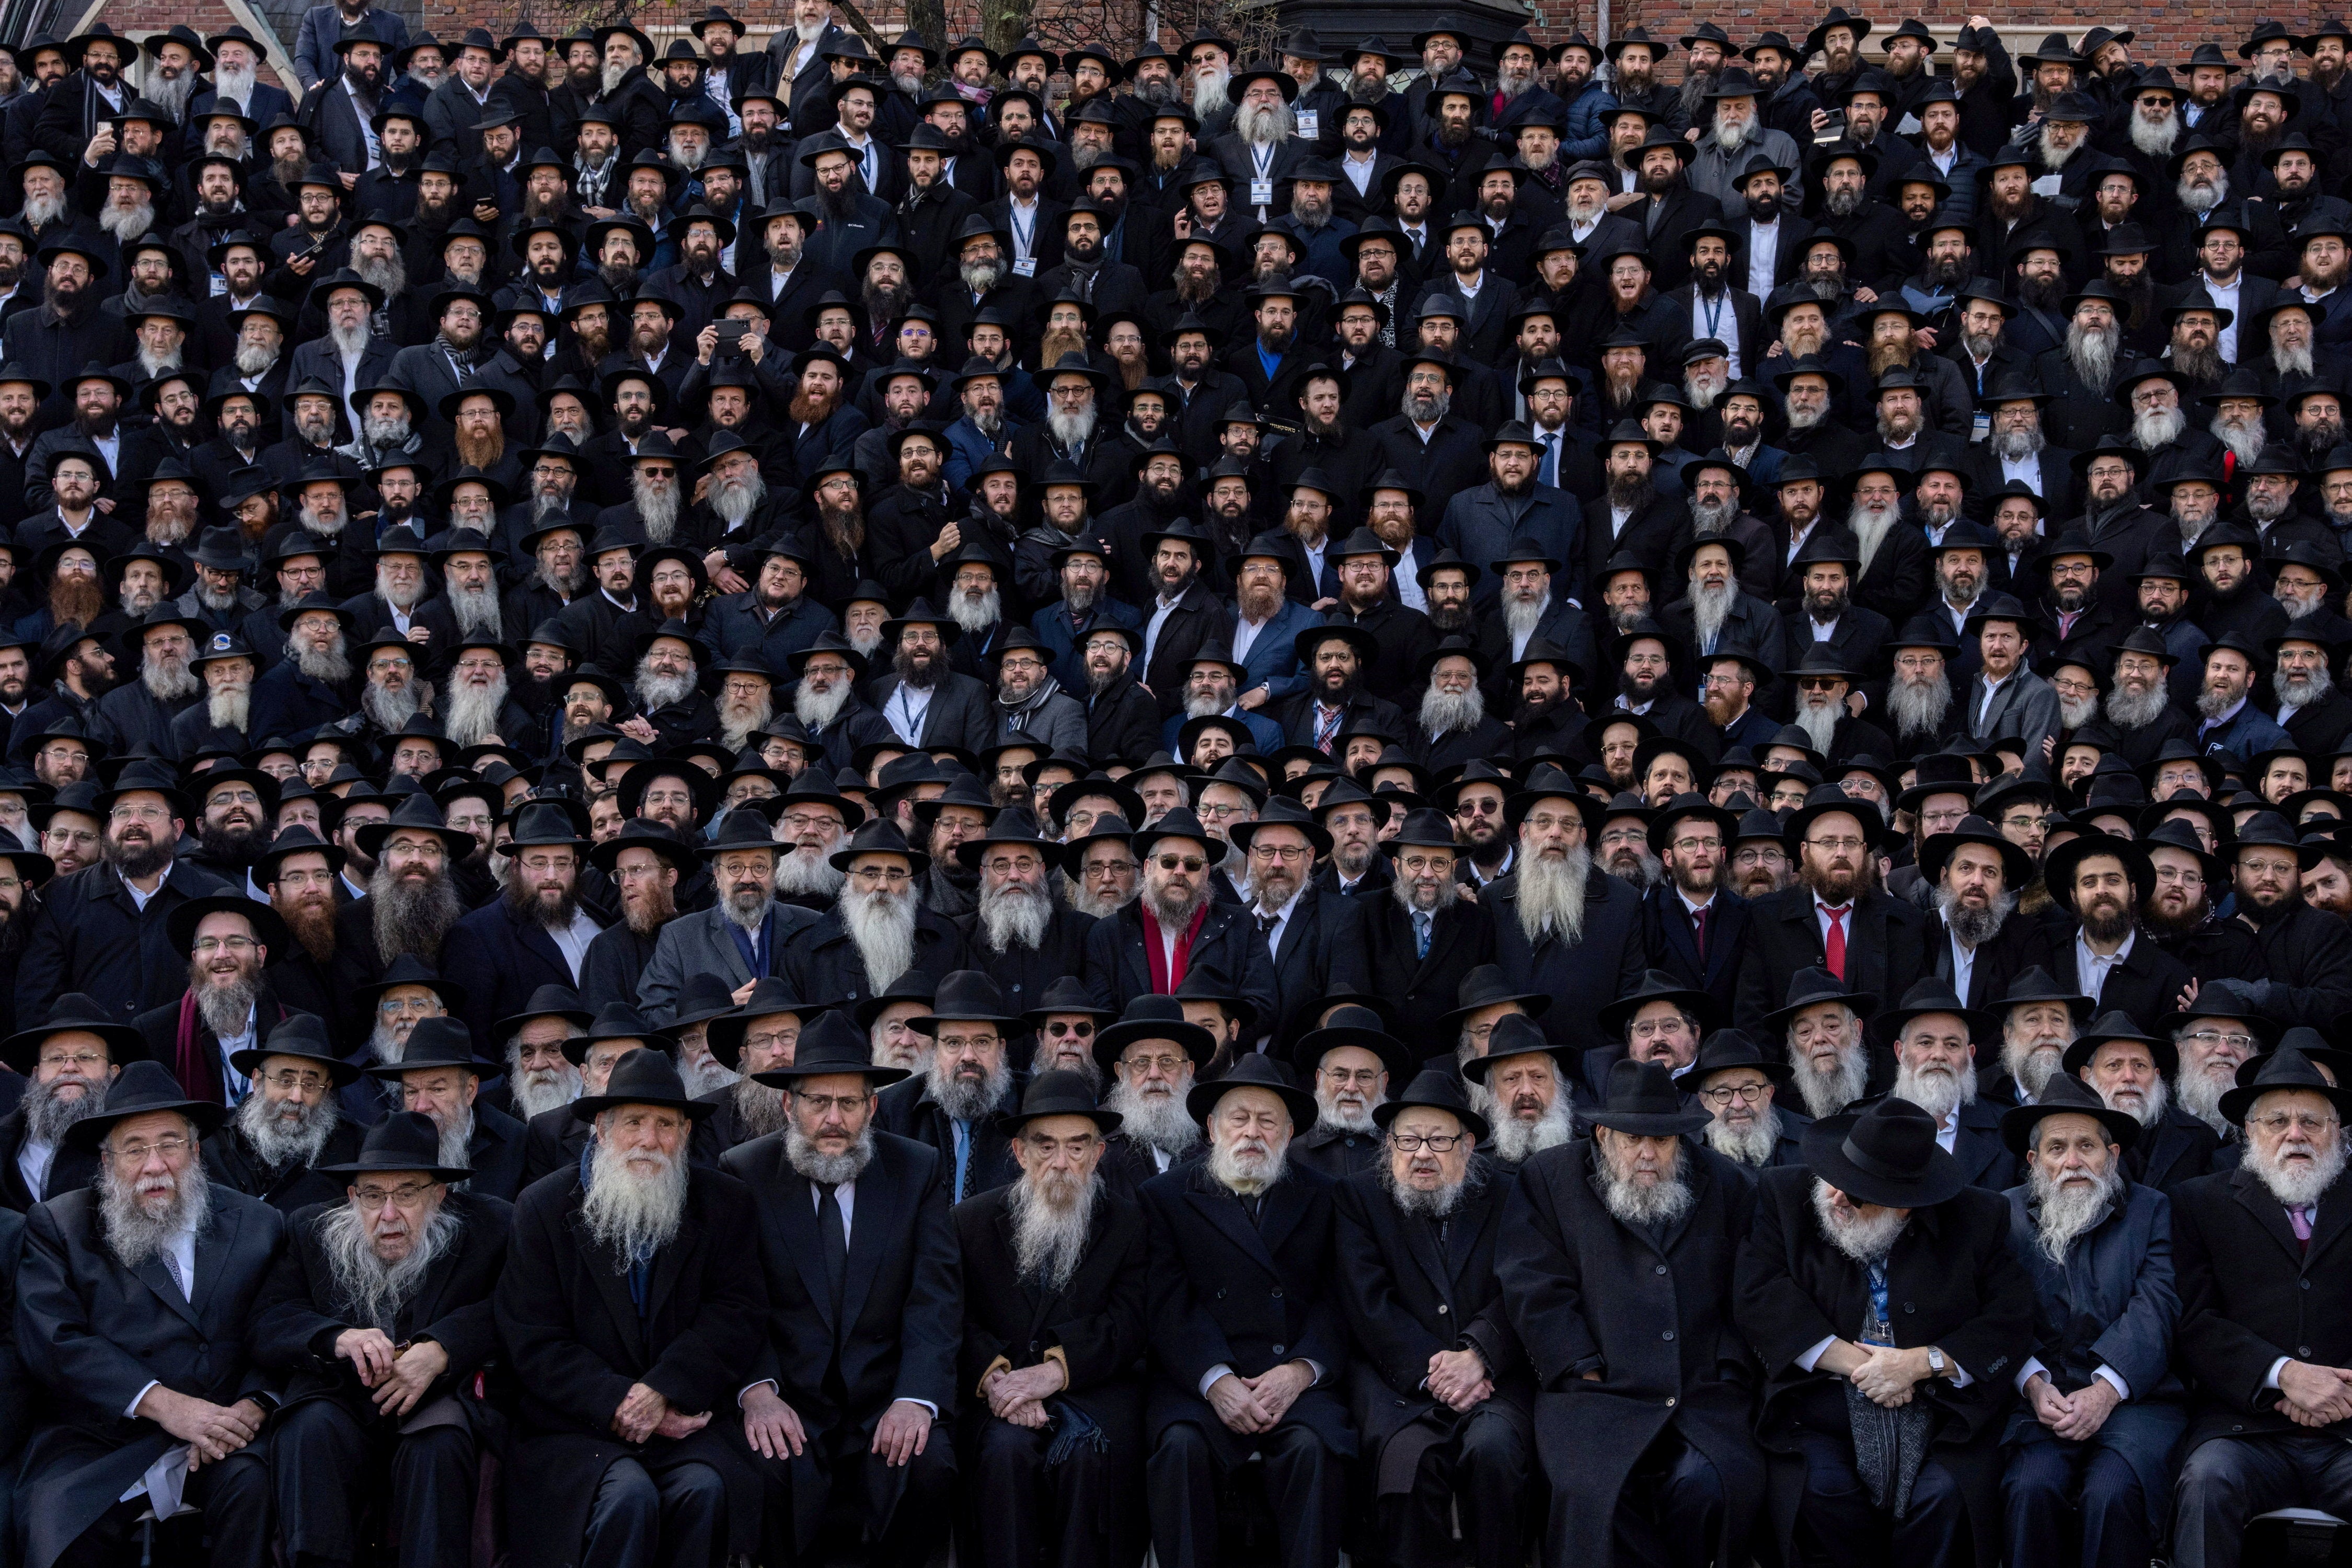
{"type": "Point", "coordinates": [2300, 1218]}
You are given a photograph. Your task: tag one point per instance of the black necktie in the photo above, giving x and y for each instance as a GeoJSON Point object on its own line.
{"type": "Point", "coordinates": [836, 1242]}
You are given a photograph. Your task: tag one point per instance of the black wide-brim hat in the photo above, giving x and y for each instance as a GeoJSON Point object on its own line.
{"type": "Point", "coordinates": [1153, 1017]}
{"type": "Point", "coordinates": [144, 1088]}
{"type": "Point", "coordinates": [404, 1140]}
{"type": "Point", "coordinates": [2066, 1095]}
{"type": "Point", "coordinates": [644, 1078]}
{"type": "Point", "coordinates": [1886, 1155]}
{"type": "Point", "coordinates": [1434, 1089]}
{"type": "Point", "coordinates": [1253, 1071]}
{"type": "Point", "coordinates": [1058, 1092]}
{"type": "Point", "coordinates": [832, 1045]}
{"type": "Point", "coordinates": [78, 1012]}
{"type": "Point", "coordinates": [1644, 1102]}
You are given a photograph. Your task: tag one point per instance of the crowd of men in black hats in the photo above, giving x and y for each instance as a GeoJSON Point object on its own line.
{"type": "Point", "coordinates": [808, 802]}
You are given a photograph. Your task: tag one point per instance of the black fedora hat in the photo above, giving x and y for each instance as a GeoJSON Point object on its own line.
{"type": "Point", "coordinates": [2285, 1067]}
{"type": "Point", "coordinates": [2016, 865]}
{"type": "Point", "coordinates": [1253, 1071]}
{"type": "Point", "coordinates": [2058, 867]}
{"type": "Point", "coordinates": [964, 996]}
{"type": "Point", "coordinates": [443, 1042]}
{"type": "Point", "coordinates": [644, 1078]}
{"type": "Point", "coordinates": [1153, 1017]}
{"type": "Point", "coordinates": [2065, 1095]}
{"type": "Point", "coordinates": [831, 1045]}
{"type": "Point", "coordinates": [549, 1001]}
{"type": "Point", "coordinates": [1812, 986]}
{"type": "Point", "coordinates": [1642, 1102]}
{"type": "Point", "coordinates": [1434, 1088]}
{"type": "Point", "coordinates": [1362, 1028]}
{"type": "Point", "coordinates": [1884, 1154]}
{"type": "Point", "coordinates": [410, 970]}
{"type": "Point", "coordinates": [2117, 1026]}
{"type": "Point", "coordinates": [618, 1021]}
{"type": "Point", "coordinates": [1659, 986]}
{"type": "Point", "coordinates": [1066, 993]}
{"type": "Point", "coordinates": [144, 1088]}
{"type": "Point", "coordinates": [1934, 995]}
{"type": "Point", "coordinates": [1057, 1092]}
{"type": "Point", "coordinates": [878, 837]}
{"type": "Point", "coordinates": [404, 1140]}
{"type": "Point", "coordinates": [1486, 986]}
{"type": "Point", "coordinates": [1728, 1048]}
{"type": "Point", "coordinates": [2035, 983]}
{"type": "Point", "coordinates": [1516, 1035]}
{"type": "Point", "coordinates": [769, 996]}
{"type": "Point", "coordinates": [78, 1011]}
{"type": "Point", "coordinates": [2233, 998]}
{"type": "Point", "coordinates": [181, 925]}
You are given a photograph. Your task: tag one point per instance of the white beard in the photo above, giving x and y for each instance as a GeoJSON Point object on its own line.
{"type": "Point", "coordinates": [2032, 1062]}
{"type": "Point", "coordinates": [658, 507]}
{"type": "Point", "coordinates": [2303, 690]}
{"type": "Point", "coordinates": [966, 1098]}
{"type": "Point", "coordinates": [235, 86]}
{"type": "Point", "coordinates": [737, 721]}
{"type": "Point", "coordinates": [127, 223]}
{"type": "Point", "coordinates": [1551, 895]}
{"type": "Point", "coordinates": [2154, 139]}
{"type": "Point", "coordinates": [1515, 1141]}
{"type": "Point", "coordinates": [255, 359]}
{"type": "Point", "coordinates": [807, 871]}
{"type": "Point", "coordinates": [39, 212]}
{"type": "Point", "coordinates": [632, 1215]}
{"type": "Point", "coordinates": [2069, 1209]}
{"type": "Point", "coordinates": [2075, 712]}
{"type": "Point", "coordinates": [135, 1232]}
{"type": "Point", "coordinates": [1209, 92]}
{"type": "Point", "coordinates": [1265, 125]}
{"type": "Point", "coordinates": [399, 596]}
{"type": "Point", "coordinates": [2154, 428]}
{"type": "Point", "coordinates": [1863, 1238]}
{"type": "Point", "coordinates": [2151, 1106]}
{"type": "Point", "coordinates": [2092, 353]}
{"type": "Point", "coordinates": [1015, 915]}
{"type": "Point", "coordinates": [831, 1169]}
{"type": "Point", "coordinates": [1937, 1091]}
{"type": "Point", "coordinates": [2130, 709]}
{"type": "Point", "coordinates": [1710, 607]}
{"type": "Point", "coordinates": [478, 612]}
{"type": "Point", "coordinates": [758, 1110]}
{"type": "Point", "coordinates": [1751, 1143]}
{"type": "Point", "coordinates": [373, 1291]}
{"type": "Point", "coordinates": [1445, 713]}
{"type": "Point", "coordinates": [535, 1092]}
{"type": "Point", "coordinates": [1521, 617]}
{"type": "Point", "coordinates": [1663, 1203]}
{"type": "Point", "coordinates": [151, 365]}
{"type": "Point", "coordinates": [1158, 1121]}
{"type": "Point", "coordinates": [882, 927]}
{"type": "Point", "coordinates": [704, 1074]}
{"type": "Point", "coordinates": [288, 1132]}
{"type": "Point", "coordinates": [229, 707]}
{"type": "Point", "coordinates": [2245, 440]}
{"type": "Point", "coordinates": [2016, 446]}
{"type": "Point", "coordinates": [733, 501]}
{"type": "Point", "coordinates": [1050, 1228]}
{"type": "Point", "coordinates": [167, 682]}
{"type": "Point", "coordinates": [1247, 1172]}
{"type": "Point", "coordinates": [2302, 1185]}
{"type": "Point", "coordinates": [1826, 1096]}
{"type": "Point", "coordinates": [817, 709]}
{"type": "Point", "coordinates": [1820, 725]}
{"type": "Point", "coordinates": [2200, 1095]}
{"type": "Point", "coordinates": [472, 711]}
{"type": "Point", "coordinates": [2296, 360]}
{"type": "Point", "coordinates": [656, 691]}
{"type": "Point", "coordinates": [975, 615]}
{"type": "Point", "coordinates": [1918, 710]}
{"type": "Point", "coordinates": [1870, 526]}
{"type": "Point", "coordinates": [1071, 429]}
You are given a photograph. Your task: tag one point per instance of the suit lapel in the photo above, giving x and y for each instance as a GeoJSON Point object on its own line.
{"type": "Point", "coordinates": [214, 1244]}
{"type": "Point", "coordinates": [874, 1222]}
{"type": "Point", "coordinates": [612, 1285]}
{"type": "Point", "coordinates": [157, 1276]}
{"type": "Point", "coordinates": [794, 1214]}
{"type": "Point", "coordinates": [1285, 1207]}
{"type": "Point", "coordinates": [2327, 1226]}
{"type": "Point", "coordinates": [2271, 1215]}
{"type": "Point", "coordinates": [1222, 1211]}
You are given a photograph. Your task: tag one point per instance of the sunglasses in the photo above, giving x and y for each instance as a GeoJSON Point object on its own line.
{"type": "Point", "coordinates": [1080, 1030]}
{"type": "Point", "coordinates": [1181, 862]}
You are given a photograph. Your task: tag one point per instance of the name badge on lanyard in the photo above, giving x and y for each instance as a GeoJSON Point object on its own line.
{"type": "Point", "coordinates": [1310, 123]}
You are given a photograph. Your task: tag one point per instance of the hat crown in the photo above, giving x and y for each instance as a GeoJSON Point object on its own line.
{"type": "Point", "coordinates": [1891, 1138]}
{"type": "Point", "coordinates": [646, 1075]}
{"type": "Point", "coordinates": [1643, 1089]}
{"type": "Point", "coordinates": [1515, 1034]}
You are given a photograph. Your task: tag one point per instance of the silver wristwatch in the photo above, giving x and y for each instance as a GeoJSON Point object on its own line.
{"type": "Point", "coordinates": [1935, 1362]}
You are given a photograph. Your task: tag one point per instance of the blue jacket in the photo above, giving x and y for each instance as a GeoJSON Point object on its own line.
{"type": "Point", "coordinates": [286, 701]}
{"type": "Point", "coordinates": [968, 449]}
{"type": "Point", "coordinates": [1272, 661]}
{"type": "Point", "coordinates": [733, 627]}
{"type": "Point", "coordinates": [1481, 525]}
{"type": "Point", "coordinates": [2251, 732]}
{"type": "Point", "coordinates": [322, 29]}
{"type": "Point", "coordinates": [1053, 627]}
{"type": "Point", "coordinates": [1587, 137]}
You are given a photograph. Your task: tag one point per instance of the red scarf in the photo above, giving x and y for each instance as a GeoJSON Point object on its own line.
{"type": "Point", "coordinates": [196, 1059]}
{"type": "Point", "coordinates": [1165, 975]}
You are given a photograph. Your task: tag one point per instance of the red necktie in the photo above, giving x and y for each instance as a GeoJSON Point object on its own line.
{"type": "Point", "coordinates": [1833, 945]}
{"type": "Point", "coordinates": [1699, 929]}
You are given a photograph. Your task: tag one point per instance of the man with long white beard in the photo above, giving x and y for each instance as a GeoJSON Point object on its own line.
{"type": "Point", "coordinates": [745, 934]}
{"type": "Point", "coordinates": [2132, 1072]}
{"type": "Point", "coordinates": [1941, 1356]}
{"type": "Point", "coordinates": [1453, 1387]}
{"type": "Point", "coordinates": [634, 1208]}
{"type": "Point", "coordinates": [390, 1273]}
{"type": "Point", "coordinates": [144, 709]}
{"type": "Point", "coordinates": [1525, 1085]}
{"type": "Point", "coordinates": [2080, 374]}
{"type": "Point", "coordinates": [1562, 925]}
{"type": "Point", "coordinates": [2039, 1020]}
{"type": "Point", "coordinates": [2216, 1035]}
{"type": "Point", "coordinates": [966, 1084]}
{"type": "Point", "coordinates": [1934, 1070]}
{"type": "Point", "coordinates": [69, 1063]}
{"type": "Point", "coordinates": [2273, 1384]}
{"type": "Point", "coordinates": [756, 1037]}
{"type": "Point", "coordinates": [1055, 1232]}
{"type": "Point", "coordinates": [1261, 1381]}
{"type": "Point", "coordinates": [291, 1121]}
{"type": "Point", "coordinates": [439, 1075]}
{"type": "Point", "coordinates": [538, 1076]}
{"type": "Point", "coordinates": [2100, 1413]}
{"type": "Point", "coordinates": [1659, 1449]}
{"type": "Point", "coordinates": [126, 1378]}
{"type": "Point", "coordinates": [1020, 935]}
{"type": "Point", "coordinates": [225, 665]}
{"type": "Point", "coordinates": [879, 929]}
{"type": "Point", "coordinates": [1821, 1026]}
{"type": "Point", "coordinates": [1919, 697]}
{"type": "Point", "coordinates": [812, 822]}
{"type": "Point", "coordinates": [1738, 1084]}
{"type": "Point", "coordinates": [1353, 1060]}
{"type": "Point", "coordinates": [1151, 1056]}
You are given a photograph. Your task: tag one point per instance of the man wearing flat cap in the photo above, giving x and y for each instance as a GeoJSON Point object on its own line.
{"type": "Point", "coordinates": [290, 1122]}
{"type": "Point", "coordinates": [1881, 1293]}
{"type": "Point", "coordinates": [1440, 1387]}
{"type": "Point", "coordinates": [1616, 1267]}
{"type": "Point", "coordinates": [1249, 1339]}
{"type": "Point", "coordinates": [377, 1317]}
{"type": "Point", "coordinates": [2260, 1252]}
{"type": "Point", "coordinates": [1054, 1266]}
{"type": "Point", "coordinates": [132, 1302]}
{"type": "Point", "coordinates": [626, 1317]}
{"type": "Point", "coordinates": [855, 1361]}
{"type": "Point", "coordinates": [2090, 1443]}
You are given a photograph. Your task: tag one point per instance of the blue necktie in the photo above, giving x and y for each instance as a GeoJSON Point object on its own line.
{"type": "Point", "coordinates": [963, 1156]}
{"type": "Point", "coordinates": [1421, 922]}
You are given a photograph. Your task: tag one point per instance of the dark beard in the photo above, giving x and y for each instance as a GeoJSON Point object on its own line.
{"type": "Point", "coordinates": [410, 919]}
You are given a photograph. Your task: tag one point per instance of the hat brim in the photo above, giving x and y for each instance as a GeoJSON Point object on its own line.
{"type": "Point", "coordinates": [1200, 1101]}
{"type": "Point", "coordinates": [2018, 1123]}
{"type": "Point", "coordinates": [1825, 1154]}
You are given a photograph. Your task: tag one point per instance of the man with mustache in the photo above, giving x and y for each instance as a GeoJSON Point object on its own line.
{"type": "Point", "coordinates": [2133, 1071]}
{"type": "Point", "coordinates": [290, 1124]}
{"type": "Point", "coordinates": [1934, 1034]}
{"type": "Point", "coordinates": [1222, 1391]}
{"type": "Point", "coordinates": [1877, 1201]}
{"type": "Point", "coordinates": [1174, 928]}
{"type": "Point", "coordinates": [439, 1075]}
{"type": "Point", "coordinates": [967, 1084]}
{"type": "Point", "coordinates": [2307, 952]}
{"type": "Point", "coordinates": [2100, 1414]}
{"type": "Point", "coordinates": [2102, 953]}
{"type": "Point", "coordinates": [126, 1374]}
{"type": "Point", "coordinates": [1562, 925]}
{"type": "Point", "coordinates": [1022, 937]}
{"type": "Point", "coordinates": [93, 936]}
{"type": "Point", "coordinates": [2216, 1035]}
{"type": "Point", "coordinates": [743, 935]}
{"type": "Point", "coordinates": [538, 1076]}
{"type": "Point", "coordinates": [228, 1006]}
{"type": "Point", "coordinates": [1834, 917]}
{"type": "Point", "coordinates": [878, 930]}
{"type": "Point", "coordinates": [647, 1467]}
{"type": "Point", "coordinates": [70, 1064]}
{"type": "Point", "coordinates": [1149, 1056]}
{"type": "Point", "coordinates": [852, 1411]}
{"type": "Point", "coordinates": [2272, 1395]}
{"type": "Point", "coordinates": [1054, 1234]}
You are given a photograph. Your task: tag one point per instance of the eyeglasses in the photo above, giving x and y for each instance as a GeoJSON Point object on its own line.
{"type": "Point", "coordinates": [1283, 852]}
{"type": "Point", "coordinates": [2216, 1037]}
{"type": "Point", "coordinates": [1166, 1066]}
{"type": "Point", "coordinates": [1478, 807]}
{"type": "Point", "coordinates": [288, 1078]}
{"type": "Point", "coordinates": [1656, 1027]}
{"type": "Point", "coordinates": [408, 1195]}
{"type": "Point", "coordinates": [138, 1153]}
{"type": "Point", "coordinates": [773, 1039]}
{"type": "Point", "coordinates": [1028, 664]}
{"type": "Point", "coordinates": [1848, 845]}
{"type": "Point", "coordinates": [2277, 1122]}
{"type": "Point", "coordinates": [876, 876]}
{"type": "Point", "coordinates": [1082, 1029]}
{"type": "Point", "coordinates": [1436, 1142]}
{"type": "Point", "coordinates": [1219, 812]}
{"type": "Point", "coordinates": [420, 1006]}
{"type": "Point", "coordinates": [547, 863]}
{"type": "Point", "coordinates": [809, 821]}
{"type": "Point", "coordinates": [81, 1061]}
{"type": "Point", "coordinates": [206, 945]}
{"type": "Point", "coordinates": [1745, 1093]}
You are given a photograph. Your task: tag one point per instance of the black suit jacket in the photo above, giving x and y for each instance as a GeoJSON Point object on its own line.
{"type": "Point", "coordinates": [2147, 984]}
{"type": "Point", "coordinates": [72, 1168]}
{"type": "Point", "coordinates": [1096, 1319]}
{"type": "Point", "coordinates": [1422, 990]}
{"type": "Point", "coordinates": [1321, 951]}
{"type": "Point", "coordinates": [1886, 949]}
{"type": "Point", "coordinates": [1198, 618]}
{"type": "Point", "coordinates": [1670, 942]}
{"type": "Point", "coordinates": [1226, 945]}
{"type": "Point", "coordinates": [907, 1110]}
{"type": "Point", "coordinates": [94, 1334]}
